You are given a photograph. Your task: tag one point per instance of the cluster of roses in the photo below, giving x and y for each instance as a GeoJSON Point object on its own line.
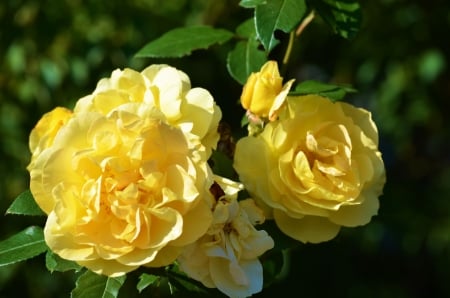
{"type": "Point", "coordinates": [125, 181]}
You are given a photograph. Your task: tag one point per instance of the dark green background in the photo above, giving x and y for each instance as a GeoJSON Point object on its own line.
{"type": "Point", "coordinates": [54, 52]}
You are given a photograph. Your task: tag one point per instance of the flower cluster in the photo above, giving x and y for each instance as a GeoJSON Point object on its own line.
{"type": "Point", "coordinates": [125, 180]}
{"type": "Point", "coordinates": [315, 168]}
{"type": "Point", "coordinates": [226, 257]}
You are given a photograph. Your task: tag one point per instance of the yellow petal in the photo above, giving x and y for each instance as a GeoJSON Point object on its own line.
{"type": "Point", "coordinates": [43, 134]}
{"type": "Point", "coordinates": [357, 215]}
{"type": "Point", "coordinates": [312, 229]}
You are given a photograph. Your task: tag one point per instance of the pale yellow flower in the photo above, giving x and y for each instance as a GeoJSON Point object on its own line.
{"type": "Point", "coordinates": [126, 185]}
{"type": "Point", "coordinates": [227, 256]}
{"type": "Point", "coordinates": [264, 92]}
{"type": "Point", "coordinates": [42, 135]}
{"type": "Point", "coordinates": [165, 88]}
{"type": "Point", "coordinates": [315, 169]}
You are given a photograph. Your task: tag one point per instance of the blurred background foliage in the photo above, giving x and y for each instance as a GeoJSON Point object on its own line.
{"type": "Point", "coordinates": [54, 52]}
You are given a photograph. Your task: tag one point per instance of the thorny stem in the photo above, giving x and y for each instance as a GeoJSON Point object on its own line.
{"type": "Point", "coordinates": [288, 49]}
{"type": "Point", "coordinates": [306, 21]}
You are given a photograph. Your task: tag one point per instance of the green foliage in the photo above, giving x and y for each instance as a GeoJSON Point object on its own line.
{"type": "Point", "coordinates": [251, 3]}
{"type": "Point", "coordinates": [221, 164]}
{"type": "Point", "coordinates": [182, 41]}
{"type": "Point", "coordinates": [53, 262]}
{"type": "Point", "coordinates": [146, 280]}
{"type": "Point", "coordinates": [276, 266]}
{"type": "Point", "coordinates": [275, 15]}
{"type": "Point", "coordinates": [246, 57]}
{"type": "Point", "coordinates": [25, 204]}
{"type": "Point", "coordinates": [344, 16]}
{"type": "Point", "coordinates": [91, 285]}
{"type": "Point", "coordinates": [333, 92]}
{"type": "Point", "coordinates": [184, 285]}
{"type": "Point", "coordinates": [22, 246]}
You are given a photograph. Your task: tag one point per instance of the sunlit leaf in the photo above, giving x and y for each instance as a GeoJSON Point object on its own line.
{"type": "Point", "coordinates": [54, 262]}
{"type": "Point", "coordinates": [251, 3]}
{"type": "Point", "coordinates": [275, 15]}
{"type": "Point", "coordinates": [334, 92]}
{"type": "Point", "coordinates": [182, 41]}
{"type": "Point", "coordinates": [146, 280]}
{"type": "Point", "coordinates": [344, 16]}
{"type": "Point", "coordinates": [91, 285]}
{"type": "Point", "coordinates": [22, 246]}
{"type": "Point", "coordinates": [25, 204]}
{"type": "Point", "coordinates": [244, 59]}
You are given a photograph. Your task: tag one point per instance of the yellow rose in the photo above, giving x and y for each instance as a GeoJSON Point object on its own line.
{"type": "Point", "coordinates": [227, 256]}
{"type": "Point", "coordinates": [166, 88]}
{"type": "Point", "coordinates": [264, 93]}
{"type": "Point", "coordinates": [123, 187]}
{"type": "Point", "coordinates": [315, 169]}
{"type": "Point", "coordinates": [46, 129]}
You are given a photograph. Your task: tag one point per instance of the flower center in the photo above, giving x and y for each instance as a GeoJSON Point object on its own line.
{"type": "Point", "coordinates": [328, 150]}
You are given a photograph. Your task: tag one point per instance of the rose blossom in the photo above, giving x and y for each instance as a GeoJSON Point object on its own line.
{"type": "Point", "coordinates": [125, 182]}
{"type": "Point", "coordinates": [315, 169]}
{"type": "Point", "coordinates": [165, 88]}
{"type": "Point", "coordinates": [227, 256]}
{"type": "Point", "coordinates": [264, 92]}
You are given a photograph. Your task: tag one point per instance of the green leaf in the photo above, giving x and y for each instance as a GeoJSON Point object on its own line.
{"type": "Point", "coordinates": [276, 264]}
{"type": "Point", "coordinates": [222, 164]}
{"type": "Point", "coordinates": [181, 42]}
{"type": "Point", "coordinates": [25, 204]}
{"type": "Point", "coordinates": [251, 3]}
{"type": "Point", "coordinates": [92, 285]}
{"type": "Point", "coordinates": [275, 15]}
{"type": "Point", "coordinates": [56, 263]}
{"type": "Point", "coordinates": [244, 120]}
{"type": "Point", "coordinates": [146, 280]}
{"type": "Point", "coordinates": [244, 59]}
{"type": "Point", "coordinates": [344, 16]}
{"type": "Point", "coordinates": [247, 29]}
{"type": "Point", "coordinates": [179, 281]}
{"type": "Point", "coordinates": [22, 246]}
{"type": "Point", "coordinates": [333, 92]}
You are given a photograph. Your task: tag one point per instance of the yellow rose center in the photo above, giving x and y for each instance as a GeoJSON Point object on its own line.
{"type": "Point", "coordinates": [321, 166]}
{"type": "Point", "coordinates": [132, 177]}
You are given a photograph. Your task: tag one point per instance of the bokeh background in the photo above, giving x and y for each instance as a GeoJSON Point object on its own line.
{"type": "Point", "coordinates": [54, 52]}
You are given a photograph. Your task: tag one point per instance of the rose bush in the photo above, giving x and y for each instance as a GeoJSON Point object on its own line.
{"type": "Point", "coordinates": [124, 179]}
{"type": "Point", "coordinates": [227, 256]}
{"type": "Point", "coordinates": [315, 169]}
